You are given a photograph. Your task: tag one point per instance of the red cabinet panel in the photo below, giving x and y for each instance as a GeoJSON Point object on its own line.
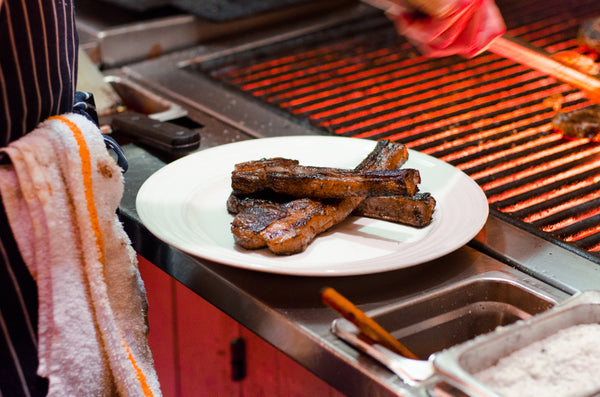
{"type": "Point", "coordinates": [190, 342]}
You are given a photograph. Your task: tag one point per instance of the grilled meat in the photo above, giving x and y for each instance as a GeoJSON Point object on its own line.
{"type": "Point", "coordinates": [306, 218]}
{"type": "Point", "coordinates": [385, 156]}
{"type": "Point", "coordinates": [324, 182]}
{"type": "Point", "coordinates": [578, 61]}
{"type": "Point", "coordinates": [256, 226]}
{"type": "Point", "coordinates": [255, 173]}
{"type": "Point", "coordinates": [414, 211]}
{"type": "Point", "coordinates": [589, 34]}
{"type": "Point", "coordinates": [262, 163]}
{"type": "Point", "coordinates": [238, 202]}
{"type": "Point", "coordinates": [248, 224]}
{"type": "Point", "coordinates": [580, 123]}
{"type": "Point", "coordinates": [285, 227]}
{"type": "Point", "coordinates": [294, 233]}
{"type": "Point", "coordinates": [304, 182]}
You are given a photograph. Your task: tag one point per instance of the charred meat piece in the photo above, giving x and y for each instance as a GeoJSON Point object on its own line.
{"type": "Point", "coordinates": [262, 163]}
{"type": "Point", "coordinates": [414, 211]}
{"type": "Point", "coordinates": [317, 182]}
{"type": "Point", "coordinates": [306, 218]}
{"type": "Point", "coordinates": [248, 224]}
{"type": "Point", "coordinates": [385, 152]}
{"type": "Point", "coordinates": [251, 176]}
{"type": "Point", "coordinates": [238, 202]}
{"type": "Point", "coordinates": [323, 182]}
{"type": "Point", "coordinates": [580, 123]}
{"type": "Point", "coordinates": [255, 172]}
{"type": "Point", "coordinates": [578, 61]}
{"type": "Point", "coordinates": [256, 225]}
{"type": "Point", "coordinates": [284, 227]}
{"type": "Point", "coordinates": [589, 34]}
{"type": "Point", "coordinates": [295, 232]}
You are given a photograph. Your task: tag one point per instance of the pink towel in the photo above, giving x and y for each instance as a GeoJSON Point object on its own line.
{"type": "Point", "coordinates": [61, 192]}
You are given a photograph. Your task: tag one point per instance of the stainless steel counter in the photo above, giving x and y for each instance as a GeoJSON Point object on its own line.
{"type": "Point", "coordinates": [287, 312]}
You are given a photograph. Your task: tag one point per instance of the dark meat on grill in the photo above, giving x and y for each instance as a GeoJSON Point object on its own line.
{"type": "Point", "coordinates": [579, 61]}
{"type": "Point", "coordinates": [589, 34]}
{"type": "Point", "coordinates": [324, 182]}
{"type": "Point", "coordinates": [580, 123]}
{"type": "Point", "coordinates": [307, 218]}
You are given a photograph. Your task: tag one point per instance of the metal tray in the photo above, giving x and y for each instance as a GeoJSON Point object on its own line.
{"type": "Point", "coordinates": [141, 100]}
{"type": "Point", "coordinates": [450, 316]}
{"type": "Point", "coordinates": [458, 364]}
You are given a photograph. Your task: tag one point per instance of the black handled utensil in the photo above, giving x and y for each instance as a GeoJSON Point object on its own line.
{"type": "Point", "coordinates": [158, 134]}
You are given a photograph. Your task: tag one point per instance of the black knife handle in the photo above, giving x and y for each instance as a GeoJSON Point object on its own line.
{"type": "Point", "coordinates": [159, 134]}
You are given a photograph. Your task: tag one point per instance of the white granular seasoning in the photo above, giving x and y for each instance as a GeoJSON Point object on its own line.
{"type": "Point", "coordinates": [566, 363]}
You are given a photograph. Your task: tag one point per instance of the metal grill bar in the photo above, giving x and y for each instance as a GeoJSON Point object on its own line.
{"type": "Point", "coordinates": [487, 116]}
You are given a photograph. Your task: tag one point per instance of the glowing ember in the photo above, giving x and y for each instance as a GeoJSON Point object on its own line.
{"type": "Point", "coordinates": [547, 196]}
{"type": "Point", "coordinates": [529, 157]}
{"type": "Point", "coordinates": [571, 220]}
{"type": "Point", "coordinates": [583, 234]}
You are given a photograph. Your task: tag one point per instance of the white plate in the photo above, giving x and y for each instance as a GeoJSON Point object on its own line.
{"type": "Point", "coordinates": [184, 204]}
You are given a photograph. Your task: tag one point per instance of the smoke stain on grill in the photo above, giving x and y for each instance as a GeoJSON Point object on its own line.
{"type": "Point", "coordinates": [487, 116]}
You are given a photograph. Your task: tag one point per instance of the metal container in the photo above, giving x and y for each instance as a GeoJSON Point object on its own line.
{"type": "Point", "coordinates": [460, 363]}
{"type": "Point", "coordinates": [450, 316]}
{"type": "Point", "coordinates": [142, 100]}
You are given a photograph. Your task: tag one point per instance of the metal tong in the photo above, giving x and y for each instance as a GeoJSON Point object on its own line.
{"type": "Point", "coordinates": [386, 349]}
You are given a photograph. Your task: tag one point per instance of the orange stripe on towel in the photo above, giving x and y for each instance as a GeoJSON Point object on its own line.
{"type": "Point", "coordinates": [138, 371]}
{"type": "Point", "coordinates": [86, 171]}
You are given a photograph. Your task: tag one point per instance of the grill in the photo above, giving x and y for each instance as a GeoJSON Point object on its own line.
{"type": "Point", "coordinates": [487, 116]}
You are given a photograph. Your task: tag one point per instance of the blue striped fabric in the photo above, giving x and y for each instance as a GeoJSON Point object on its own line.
{"type": "Point", "coordinates": [38, 61]}
{"type": "Point", "coordinates": [38, 68]}
{"type": "Point", "coordinates": [18, 320]}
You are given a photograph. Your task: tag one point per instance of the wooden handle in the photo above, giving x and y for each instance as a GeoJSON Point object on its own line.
{"type": "Point", "coordinates": [365, 324]}
{"type": "Point", "coordinates": [510, 48]}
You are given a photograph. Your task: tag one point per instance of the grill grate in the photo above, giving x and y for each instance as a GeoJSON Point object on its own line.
{"type": "Point", "coordinates": [487, 116]}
